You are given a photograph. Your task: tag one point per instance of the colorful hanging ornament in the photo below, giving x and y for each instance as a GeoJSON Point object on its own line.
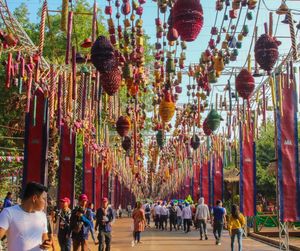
{"type": "Point", "coordinates": [188, 19]}
{"type": "Point", "coordinates": [195, 142]}
{"type": "Point", "coordinates": [111, 81]}
{"type": "Point", "coordinates": [123, 126]}
{"type": "Point", "coordinates": [166, 108]}
{"type": "Point", "coordinates": [245, 84]}
{"type": "Point", "coordinates": [206, 129]}
{"type": "Point", "coordinates": [126, 143]}
{"type": "Point", "coordinates": [213, 120]}
{"type": "Point", "coordinates": [103, 55]}
{"type": "Point", "coordinates": [266, 52]}
{"type": "Point", "coordinates": [160, 139]}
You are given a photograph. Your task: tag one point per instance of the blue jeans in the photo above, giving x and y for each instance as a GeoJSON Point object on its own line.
{"type": "Point", "coordinates": [64, 243]}
{"type": "Point", "coordinates": [137, 236]}
{"type": "Point", "coordinates": [239, 234]}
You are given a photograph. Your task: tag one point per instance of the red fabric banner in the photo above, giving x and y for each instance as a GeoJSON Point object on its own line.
{"type": "Point", "coordinates": [105, 184]}
{"type": "Point", "coordinates": [288, 152]}
{"type": "Point", "coordinates": [88, 184]}
{"type": "Point", "coordinates": [196, 187]}
{"type": "Point", "coordinates": [98, 185]}
{"type": "Point", "coordinates": [204, 181]}
{"type": "Point", "coordinates": [66, 184]}
{"type": "Point", "coordinates": [247, 174]}
{"type": "Point", "coordinates": [217, 176]}
{"type": "Point", "coordinates": [36, 140]}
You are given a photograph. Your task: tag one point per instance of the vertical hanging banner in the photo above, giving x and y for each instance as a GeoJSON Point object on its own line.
{"type": "Point", "coordinates": [98, 184]}
{"type": "Point", "coordinates": [66, 183]}
{"type": "Point", "coordinates": [287, 146]}
{"type": "Point", "coordinates": [247, 172]}
{"type": "Point", "coordinates": [88, 184]}
{"type": "Point", "coordinates": [217, 177]}
{"type": "Point", "coordinates": [105, 184]}
{"type": "Point", "coordinates": [196, 187]}
{"type": "Point", "coordinates": [204, 181]}
{"type": "Point", "coordinates": [36, 140]}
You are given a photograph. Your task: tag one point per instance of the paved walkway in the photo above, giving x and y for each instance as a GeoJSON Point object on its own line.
{"type": "Point", "coordinates": [155, 240]}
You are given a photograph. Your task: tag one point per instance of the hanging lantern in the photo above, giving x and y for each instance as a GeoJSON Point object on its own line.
{"type": "Point", "coordinates": [123, 126]}
{"type": "Point", "coordinates": [111, 81]}
{"type": "Point", "coordinates": [126, 143]}
{"type": "Point", "coordinates": [166, 108]}
{"type": "Point", "coordinates": [213, 120]}
{"type": "Point", "coordinates": [266, 52]}
{"type": "Point", "coordinates": [188, 19]}
{"type": "Point", "coordinates": [206, 129]}
{"type": "Point", "coordinates": [245, 84]}
{"type": "Point", "coordinates": [172, 34]}
{"type": "Point", "coordinates": [160, 139]}
{"type": "Point", "coordinates": [103, 55]}
{"type": "Point", "coordinates": [195, 142]}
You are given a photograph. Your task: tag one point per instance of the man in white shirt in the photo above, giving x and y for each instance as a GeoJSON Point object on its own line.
{"type": "Point", "coordinates": [164, 213]}
{"type": "Point", "coordinates": [26, 224]}
{"type": "Point", "coordinates": [202, 216]}
{"type": "Point", "coordinates": [157, 214]}
{"type": "Point", "coordinates": [179, 216]}
{"type": "Point", "coordinates": [187, 217]}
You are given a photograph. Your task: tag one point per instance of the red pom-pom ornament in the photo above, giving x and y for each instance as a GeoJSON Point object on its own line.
{"type": "Point", "coordinates": [188, 19]}
{"type": "Point", "coordinates": [245, 84]}
{"type": "Point", "coordinates": [123, 126]}
{"type": "Point", "coordinates": [111, 81]}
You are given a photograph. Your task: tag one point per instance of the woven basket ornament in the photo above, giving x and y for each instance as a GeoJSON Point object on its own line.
{"type": "Point", "coordinates": [123, 126]}
{"type": "Point", "coordinates": [245, 84]}
{"type": "Point", "coordinates": [103, 55]}
{"type": "Point", "coordinates": [166, 108]}
{"type": "Point", "coordinates": [213, 120]}
{"type": "Point", "coordinates": [188, 19]}
{"type": "Point", "coordinates": [111, 81]}
{"type": "Point", "coordinates": [266, 52]}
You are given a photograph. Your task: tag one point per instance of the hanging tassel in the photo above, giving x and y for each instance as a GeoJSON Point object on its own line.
{"type": "Point", "coordinates": [52, 92]}
{"type": "Point", "coordinates": [94, 22]}
{"type": "Point", "coordinates": [264, 108]}
{"type": "Point", "coordinates": [29, 84]}
{"type": "Point", "coordinates": [69, 95]}
{"type": "Point", "coordinates": [37, 71]}
{"type": "Point", "coordinates": [69, 37]}
{"type": "Point", "coordinates": [42, 28]}
{"type": "Point", "coordinates": [59, 101]}
{"type": "Point", "coordinates": [280, 96]}
{"type": "Point", "coordinates": [293, 35]}
{"type": "Point", "coordinates": [8, 70]}
{"type": "Point", "coordinates": [84, 97]}
{"type": "Point", "coordinates": [271, 83]}
{"type": "Point", "coordinates": [74, 73]}
{"type": "Point", "coordinates": [64, 15]}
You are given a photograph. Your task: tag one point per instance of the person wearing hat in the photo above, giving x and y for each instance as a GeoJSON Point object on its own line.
{"type": "Point", "coordinates": [187, 217]}
{"type": "Point", "coordinates": [80, 224]}
{"type": "Point", "coordinates": [64, 216]}
{"type": "Point", "coordinates": [104, 219]}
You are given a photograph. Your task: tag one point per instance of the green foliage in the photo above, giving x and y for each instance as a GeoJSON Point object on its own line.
{"type": "Point", "coordinates": [265, 152]}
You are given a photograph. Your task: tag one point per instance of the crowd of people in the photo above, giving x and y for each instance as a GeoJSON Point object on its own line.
{"type": "Point", "coordinates": [27, 227]}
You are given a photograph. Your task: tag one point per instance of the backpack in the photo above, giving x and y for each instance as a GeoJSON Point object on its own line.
{"type": "Point", "coordinates": [147, 209]}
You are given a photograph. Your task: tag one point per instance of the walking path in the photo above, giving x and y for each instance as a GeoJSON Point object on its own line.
{"type": "Point", "coordinates": [157, 240]}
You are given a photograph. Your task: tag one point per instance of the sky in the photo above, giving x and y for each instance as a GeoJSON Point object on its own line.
{"type": "Point", "coordinates": [199, 45]}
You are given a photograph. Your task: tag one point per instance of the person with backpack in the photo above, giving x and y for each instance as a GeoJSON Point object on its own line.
{"type": "Point", "coordinates": [80, 225]}
{"type": "Point", "coordinates": [63, 218]}
{"type": "Point", "coordinates": [235, 226]}
{"type": "Point", "coordinates": [202, 216]}
{"type": "Point", "coordinates": [147, 213]}
{"type": "Point", "coordinates": [218, 221]}
{"type": "Point", "coordinates": [104, 219]}
{"type": "Point", "coordinates": [173, 216]}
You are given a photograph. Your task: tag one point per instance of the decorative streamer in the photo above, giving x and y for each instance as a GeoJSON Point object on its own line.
{"type": "Point", "coordinates": [74, 97]}
{"type": "Point", "coordinates": [36, 141]}
{"type": "Point", "coordinates": [217, 177]}
{"type": "Point", "coordinates": [42, 28]}
{"type": "Point", "coordinates": [8, 70]}
{"type": "Point", "coordinates": [247, 171]}
{"type": "Point", "coordinates": [69, 37]}
{"type": "Point", "coordinates": [293, 35]}
{"type": "Point", "coordinates": [64, 15]}
{"type": "Point", "coordinates": [66, 183]}
{"type": "Point", "coordinates": [288, 160]}
{"type": "Point", "coordinates": [88, 184]}
{"type": "Point", "coordinates": [204, 181]}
